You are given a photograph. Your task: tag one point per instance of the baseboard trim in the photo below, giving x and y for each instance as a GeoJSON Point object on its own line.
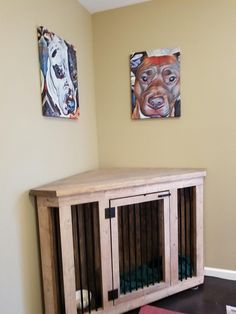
{"type": "Point", "coordinates": [220, 273]}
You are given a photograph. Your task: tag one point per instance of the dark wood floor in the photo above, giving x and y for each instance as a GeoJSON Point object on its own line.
{"type": "Point", "coordinates": [209, 298]}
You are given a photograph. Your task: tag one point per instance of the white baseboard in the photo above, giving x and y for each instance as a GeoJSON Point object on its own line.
{"type": "Point", "coordinates": [230, 309]}
{"type": "Point", "coordinates": [220, 273]}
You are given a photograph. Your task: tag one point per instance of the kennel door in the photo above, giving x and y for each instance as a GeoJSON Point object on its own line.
{"type": "Point", "coordinates": [140, 245]}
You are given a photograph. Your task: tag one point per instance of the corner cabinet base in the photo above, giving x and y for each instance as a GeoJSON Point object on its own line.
{"type": "Point", "coordinates": [113, 240]}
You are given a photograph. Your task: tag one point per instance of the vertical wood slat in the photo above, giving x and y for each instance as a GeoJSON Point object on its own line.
{"type": "Point", "coordinates": [174, 269]}
{"type": "Point", "coordinates": [158, 239]}
{"type": "Point", "coordinates": [115, 252]}
{"type": "Point", "coordinates": [67, 251]}
{"type": "Point", "coordinates": [199, 231]}
{"type": "Point", "coordinates": [86, 246]}
{"type": "Point", "coordinates": [166, 248]}
{"type": "Point", "coordinates": [186, 209]}
{"type": "Point", "coordinates": [146, 209]}
{"type": "Point", "coordinates": [129, 246]}
{"type": "Point", "coordinates": [190, 192]}
{"type": "Point", "coordinates": [105, 243]}
{"type": "Point", "coordinates": [135, 246]}
{"type": "Point", "coordinates": [47, 257]}
{"type": "Point", "coordinates": [78, 251]}
{"type": "Point", "coordinates": [122, 247]}
{"type": "Point", "coordinates": [93, 208]}
{"type": "Point", "coordinates": [57, 257]}
{"type": "Point", "coordinates": [181, 231]}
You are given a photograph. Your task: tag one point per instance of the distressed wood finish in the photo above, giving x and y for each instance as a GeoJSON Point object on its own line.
{"type": "Point", "coordinates": [108, 179]}
{"type": "Point", "coordinates": [174, 237]}
{"type": "Point", "coordinates": [199, 230]}
{"type": "Point", "coordinates": [117, 188]}
{"type": "Point", "coordinates": [67, 257]}
{"type": "Point", "coordinates": [106, 260]}
{"type": "Point", "coordinates": [47, 257]}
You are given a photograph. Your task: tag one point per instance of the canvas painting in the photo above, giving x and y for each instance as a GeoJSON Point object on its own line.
{"type": "Point", "coordinates": [155, 83]}
{"type": "Point", "coordinates": [58, 70]}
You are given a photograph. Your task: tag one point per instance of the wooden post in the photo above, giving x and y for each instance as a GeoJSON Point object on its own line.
{"type": "Point", "coordinates": [105, 242]}
{"type": "Point", "coordinates": [67, 252]}
{"type": "Point", "coordinates": [174, 269]}
{"type": "Point", "coordinates": [199, 230]}
{"type": "Point", "coordinates": [47, 257]}
{"type": "Point", "coordinates": [167, 264]}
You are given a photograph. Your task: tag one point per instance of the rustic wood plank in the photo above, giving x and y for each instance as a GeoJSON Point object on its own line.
{"type": "Point", "coordinates": [115, 252]}
{"type": "Point", "coordinates": [106, 258]}
{"type": "Point", "coordinates": [108, 179]}
{"type": "Point", "coordinates": [199, 231]}
{"type": "Point", "coordinates": [174, 269]}
{"type": "Point", "coordinates": [47, 257]}
{"type": "Point", "coordinates": [67, 251]}
{"type": "Point", "coordinates": [166, 249]}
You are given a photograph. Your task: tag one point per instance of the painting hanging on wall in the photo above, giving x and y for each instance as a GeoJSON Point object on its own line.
{"type": "Point", "coordinates": [58, 70]}
{"type": "Point", "coordinates": [155, 83]}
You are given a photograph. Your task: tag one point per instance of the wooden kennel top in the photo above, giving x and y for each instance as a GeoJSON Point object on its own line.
{"type": "Point", "coordinates": [114, 178]}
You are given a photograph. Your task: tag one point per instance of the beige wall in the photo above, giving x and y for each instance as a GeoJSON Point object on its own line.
{"type": "Point", "coordinates": [205, 135]}
{"type": "Point", "coordinates": [34, 149]}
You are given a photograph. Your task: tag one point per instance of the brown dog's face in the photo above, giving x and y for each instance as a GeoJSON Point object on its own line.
{"type": "Point", "coordinates": [157, 86]}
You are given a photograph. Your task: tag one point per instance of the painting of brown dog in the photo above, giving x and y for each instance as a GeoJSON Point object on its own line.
{"type": "Point", "coordinates": [155, 83]}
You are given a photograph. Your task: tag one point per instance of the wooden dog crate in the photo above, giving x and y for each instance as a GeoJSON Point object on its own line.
{"type": "Point", "coordinates": [127, 237]}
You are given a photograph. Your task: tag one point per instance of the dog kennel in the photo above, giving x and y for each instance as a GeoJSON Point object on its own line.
{"type": "Point", "coordinates": [114, 243]}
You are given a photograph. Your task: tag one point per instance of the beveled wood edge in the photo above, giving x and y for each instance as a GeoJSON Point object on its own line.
{"type": "Point", "coordinates": [44, 193]}
{"type": "Point", "coordinates": [86, 188]}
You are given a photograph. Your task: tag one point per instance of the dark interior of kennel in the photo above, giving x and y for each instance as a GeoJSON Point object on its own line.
{"type": "Point", "coordinates": [141, 241]}
{"type": "Point", "coordinates": [187, 232]}
{"type": "Point", "coordinates": [87, 259]}
{"type": "Point", "coordinates": [141, 245]}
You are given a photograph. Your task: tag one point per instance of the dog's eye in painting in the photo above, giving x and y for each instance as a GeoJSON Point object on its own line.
{"type": "Point", "coordinates": [148, 75]}
{"type": "Point", "coordinates": [169, 76]}
{"type": "Point", "coordinates": [172, 78]}
{"type": "Point", "coordinates": [54, 53]}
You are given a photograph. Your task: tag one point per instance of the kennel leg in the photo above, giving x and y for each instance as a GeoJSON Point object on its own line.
{"type": "Point", "coordinates": [67, 251]}
{"type": "Point", "coordinates": [47, 257]}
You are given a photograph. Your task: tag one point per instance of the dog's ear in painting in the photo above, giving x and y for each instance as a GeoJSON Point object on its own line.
{"type": "Point", "coordinates": [136, 59]}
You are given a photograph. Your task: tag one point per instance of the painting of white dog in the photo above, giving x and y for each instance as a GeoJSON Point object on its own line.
{"type": "Point", "coordinates": [58, 70]}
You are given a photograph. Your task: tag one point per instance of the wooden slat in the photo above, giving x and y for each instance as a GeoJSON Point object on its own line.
{"type": "Point", "coordinates": [67, 251]}
{"type": "Point", "coordinates": [47, 257]}
{"type": "Point", "coordinates": [174, 269]}
{"type": "Point", "coordinates": [115, 252]}
{"type": "Point", "coordinates": [199, 230]}
{"type": "Point", "coordinates": [166, 253]}
{"type": "Point", "coordinates": [105, 244]}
